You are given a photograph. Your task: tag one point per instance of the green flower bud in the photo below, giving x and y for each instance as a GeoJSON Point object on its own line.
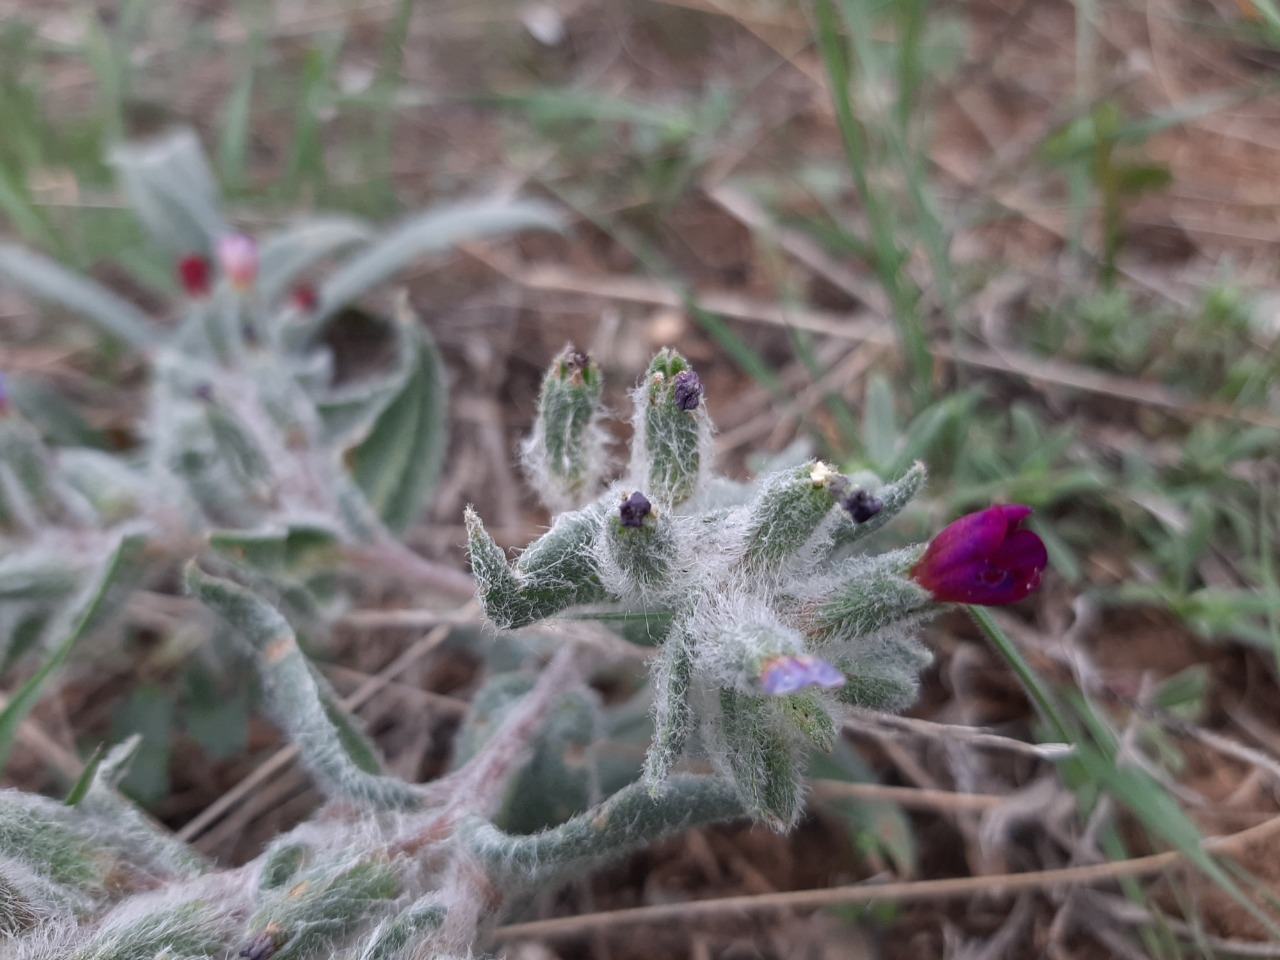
{"type": "Point", "coordinates": [565, 454]}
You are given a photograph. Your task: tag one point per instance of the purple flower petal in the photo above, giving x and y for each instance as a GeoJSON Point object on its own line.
{"type": "Point", "coordinates": [984, 558]}
{"type": "Point", "coordinates": [634, 509]}
{"type": "Point", "coordinates": [790, 674]}
{"type": "Point", "coordinates": [688, 392]}
{"type": "Point", "coordinates": [861, 505]}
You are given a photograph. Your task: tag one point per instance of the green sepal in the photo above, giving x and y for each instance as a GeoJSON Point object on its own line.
{"type": "Point", "coordinates": [675, 441]}
{"type": "Point", "coordinates": [893, 498]}
{"type": "Point", "coordinates": [807, 712]}
{"type": "Point", "coordinates": [564, 454]}
{"type": "Point", "coordinates": [556, 572]}
{"type": "Point", "coordinates": [871, 594]}
{"type": "Point", "coordinates": [761, 758]}
{"type": "Point", "coordinates": [325, 903]}
{"type": "Point", "coordinates": [642, 557]}
{"type": "Point", "coordinates": [672, 709]}
{"type": "Point", "coordinates": [788, 511]}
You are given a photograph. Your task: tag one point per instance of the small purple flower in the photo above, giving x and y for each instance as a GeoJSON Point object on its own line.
{"type": "Point", "coordinates": [789, 674]}
{"type": "Point", "coordinates": [238, 257]}
{"type": "Point", "coordinates": [984, 559]}
{"type": "Point", "coordinates": [688, 392]}
{"type": "Point", "coordinates": [634, 509]}
{"type": "Point", "coordinates": [861, 505]}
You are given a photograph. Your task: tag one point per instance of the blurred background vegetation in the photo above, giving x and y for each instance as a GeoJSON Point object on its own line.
{"type": "Point", "coordinates": [1030, 242]}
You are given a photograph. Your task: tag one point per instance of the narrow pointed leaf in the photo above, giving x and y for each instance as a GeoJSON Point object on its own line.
{"type": "Point", "coordinates": [431, 232]}
{"type": "Point", "coordinates": [173, 191]}
{"type": "Point", "coordinates": [287, 254]}
{"type": "Point", "coordinates": [46, 280]}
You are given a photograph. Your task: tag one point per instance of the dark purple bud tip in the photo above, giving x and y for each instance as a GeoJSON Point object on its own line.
{"type": "Point", "coordinates": [861, 505]}
{"type": "Point", "coordinates": [985, 559]}
{"type": "Point", "coordinates": [573, 364]}
{"type": "Point", "coordinates": [780, 676]}
{"type": "Point", "coordinates": [4, 396]}
{"type": "Point", "coordinates": [634, 509]}
{"type": "Point", "coordinates": [263, 944]}
{"type": "Point", "coordinates": [203, 392]}
{"type": "Point", "coordinates": [688, 392]}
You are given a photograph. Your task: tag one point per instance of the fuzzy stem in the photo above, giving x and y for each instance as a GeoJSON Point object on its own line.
{"type": "Point", "coordinates": [479, 786]}
{"type": "Point", "coordinates": [628, 820]}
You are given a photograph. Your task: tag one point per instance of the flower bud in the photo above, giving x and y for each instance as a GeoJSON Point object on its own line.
{"type": "Point", "coordinates": [195, 275]}
{"type": "Point", "coordinates": [238, 257]}
{"type": "Point", "coordinates": [637, 551]}
{"type": "Point", "coordinates": [984, 558]}
{"type": "Point", "coordinates": [672, 442]}
{"type": "Point", "coordinates": [633, 510]}
{"type": "Point", "coordinates": [861, 506]}
{"type": "Point", "coordinates": [791, 507]}
{"type": "Point", "coordinates": [565, 454]}
{"type": "Point", "coordinates": [688, 390]}
{"type": "Point", "coordinates": [304, 298]}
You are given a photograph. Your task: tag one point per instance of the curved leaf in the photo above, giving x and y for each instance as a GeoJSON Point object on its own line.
{"type": "Point", "coordinates": [287, 253]}
{"type": "Point", "coordinates": [430, 232]}
{"type": "Point", "coordinates": [398, 465]}
{"type": "Point", "coordinates": [50, 281]}
{"type": "Point", "coordinates": [172, 191]}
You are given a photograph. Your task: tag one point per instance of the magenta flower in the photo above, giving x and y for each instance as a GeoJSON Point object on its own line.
{"type": "Point", "coordinates": [984, 559]}
{"type": "Point", "coordinates": [790, 674]}
{"type": "Point", "coordinates": [238, 256]}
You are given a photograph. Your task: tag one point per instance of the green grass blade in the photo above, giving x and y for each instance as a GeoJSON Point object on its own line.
{"type": "Point", "coordinates": [85, 780]}
{"type": "Point", "coordinates": [1036, 688]}
{"type": "Point", "coordinates": [95, 604]}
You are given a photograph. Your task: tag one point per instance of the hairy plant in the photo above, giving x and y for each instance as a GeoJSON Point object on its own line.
{"type": "Point", "coordinates": [388, 870]}
{"type": "Point", "coordinates": [767, 625]}
{"type": "Point", "coordinates": [767, 618]}
{"type": "Point", "coordinates": [252, 447]}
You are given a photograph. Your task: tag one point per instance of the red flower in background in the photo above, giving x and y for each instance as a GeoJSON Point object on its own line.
{"type": "Point", "coordinates": [195, 275]}
{"type": "Point", "coordinates": [305, 298]}
{"type": "Point", "coordinates": [985, 558]}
